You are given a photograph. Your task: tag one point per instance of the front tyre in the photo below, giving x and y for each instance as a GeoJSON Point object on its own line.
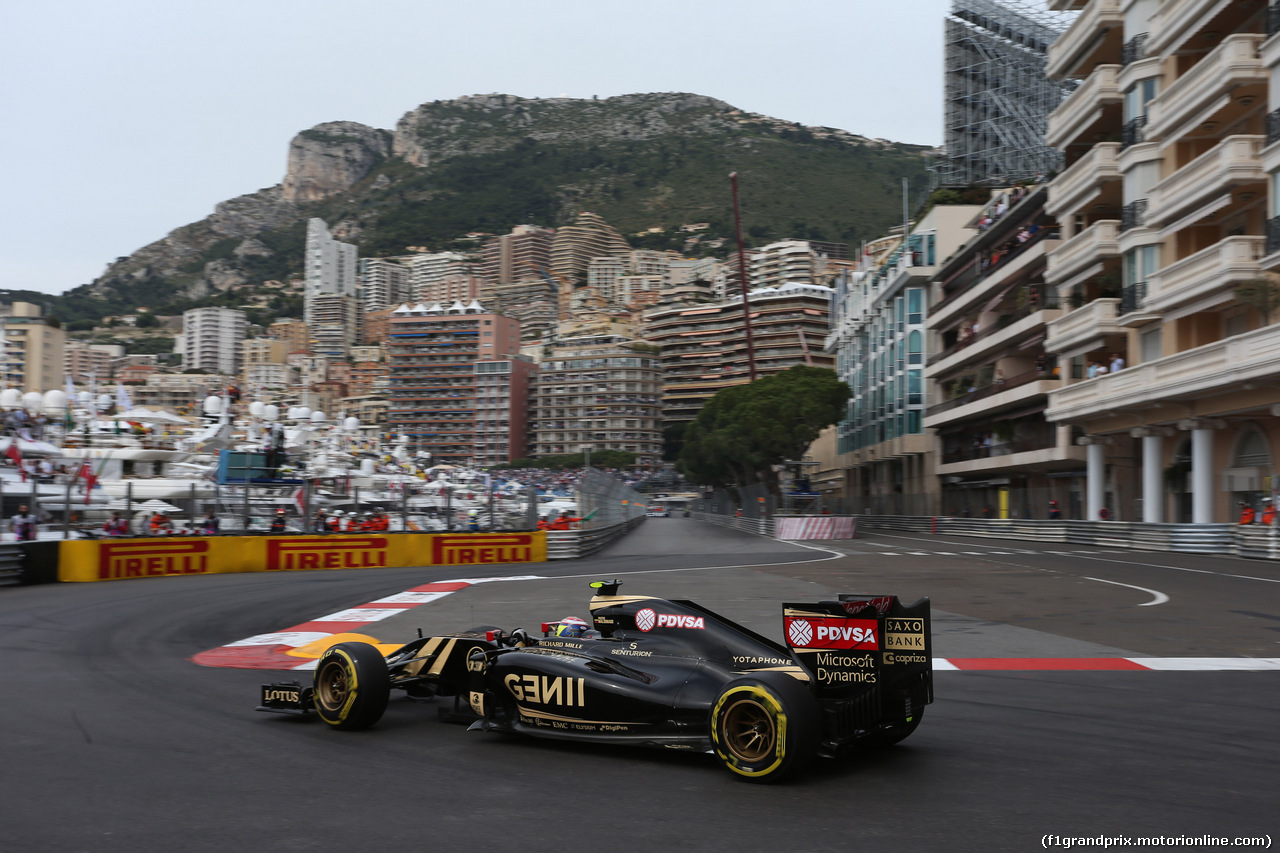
{"type": "Point", "coordinates": [765, 728]}
{"type": "Point", "coordinates": [352, 685]}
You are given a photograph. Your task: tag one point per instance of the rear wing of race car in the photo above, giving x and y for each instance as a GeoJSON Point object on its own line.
{"type": "Point", "coordinates": [859, 642]}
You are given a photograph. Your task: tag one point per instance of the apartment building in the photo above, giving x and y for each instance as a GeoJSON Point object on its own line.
{"type": "Point", "coordinates": [294, 333]}
{"type": "Point", "coordinates": [211, 338]}
{"type": "Point", "coordinates": [268, 376]}
{"type": "Point", "coordinates": [599, 391]}
{"type": "Point", "coordinates": [429, 270]}
{"type": "Point", "coordinates": [335, 325]}
{"type": "Point", "coordinates": [704, 347]}
{"type": "Point", "coordinates": [83, 359]}
{"type": "Point", "coordinates": [574, 246]}
{"type": "Point", "coordinates": [33, 349]}
{"type": "Point", "coordinates": [383, 282]}
{"type": "Point", "coordinates": [434, 356]}
{"type": "Point", "coordinates": [513, 257]}
{"type": "Point", "coordinates": [1172, 148]}
{"type": "Point", "coordinates": [178, 392]}
{"type": "Point", "coordinates": [254, 351]}
{"type": "Point", "coordinates": [989, 370]}
{"type": "Point", "coordinates": [883, 458]}
{"type": "Point", "coordinates": [331, 267]}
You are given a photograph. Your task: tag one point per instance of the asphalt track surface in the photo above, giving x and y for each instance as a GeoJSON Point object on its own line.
{"type": "Point", "coordinates": [114, 740]}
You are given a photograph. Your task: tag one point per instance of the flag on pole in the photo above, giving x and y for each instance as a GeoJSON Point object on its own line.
{"type": "Point", "coordinates": [16, 455]}
{"type": "Point", "coordinates": [71, 391]}
{"type": "Point", "coordinates": [123, 403]}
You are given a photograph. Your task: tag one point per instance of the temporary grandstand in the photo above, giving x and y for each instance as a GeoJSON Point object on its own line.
{"type": "Point", "coordinates": [997, 96]}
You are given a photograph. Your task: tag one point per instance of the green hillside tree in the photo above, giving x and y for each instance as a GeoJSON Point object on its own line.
{"type": "Point", "coordinates": [743, 431]}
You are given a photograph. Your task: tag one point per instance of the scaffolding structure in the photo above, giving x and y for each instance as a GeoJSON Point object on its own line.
{"type": "Point", "coordinates": [998, 99]}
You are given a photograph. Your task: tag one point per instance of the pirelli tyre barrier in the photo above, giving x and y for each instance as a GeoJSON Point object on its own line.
{"type": "Point", "coordinates": [122, 559]}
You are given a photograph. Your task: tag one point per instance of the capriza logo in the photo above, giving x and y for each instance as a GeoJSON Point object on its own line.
{"type": "Point", "coordinates": [648, 619]}
{"type": "Point", "coordinates": [831, 633]}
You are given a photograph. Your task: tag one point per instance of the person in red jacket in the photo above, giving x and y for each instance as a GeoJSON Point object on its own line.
{"type": "Point", "coordinates": [381, 521]}
{"type": "Point", "coordinates": [353, 523]}
{"type": "Point", "coordinates": [563, 521]}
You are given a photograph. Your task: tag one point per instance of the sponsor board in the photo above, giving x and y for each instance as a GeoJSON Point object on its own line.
{"type": "Point", "coordinates": [121, 559]}
{"type": "Point", "coordinates": [326, 552]}
{"type": "Point", "coordinates": [142, 558]}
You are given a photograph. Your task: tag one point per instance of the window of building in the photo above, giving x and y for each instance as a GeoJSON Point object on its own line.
{"type": "Point", "coordinates": [1150, 344]}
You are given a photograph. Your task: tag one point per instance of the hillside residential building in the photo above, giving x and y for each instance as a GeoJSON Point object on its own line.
{"type": "Point", "coordinates": [331, 267]}
{"type": "Point", "coordinates": [1171, 241]}
{"type": "Point", "coordinates": [210, 339]}
{"type": "Point", "coordinates": [704, 347]}
{"type": "Point", "coordinates": [430, 269]}
{"type": "Point", "coordinates": [83, 359]}
{"type": "Point", "coordinates": [514, 257]}
{"type": "Point", "coordinates": [574, 246]}
{"type": "Point", "coordinates": [599, 392]}
{"type": "Point", "coordinates": [791, 262]}
{"type": "Point", "coordinates": [178, 392]}
{"type": "Point", "coordinates": [34, 353]}
{"type": "Point", "coordinates": [335, 323]}
{"type": "Point", "coordinates": [883, 457]}
{"type": "Point", "coordinates": [268, 376]}
{"type": "Point", "coordinates": [384, 282]}
{"type": "Point", "coordinates": [435, 359]}
{"type": "Point", "coordinates": [293, 332]}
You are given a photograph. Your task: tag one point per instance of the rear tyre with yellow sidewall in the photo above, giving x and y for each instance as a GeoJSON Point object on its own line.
{"type": "Point", "coordinates": [766, 727]}
{"type": "Point", "coordinates": [352, 685]}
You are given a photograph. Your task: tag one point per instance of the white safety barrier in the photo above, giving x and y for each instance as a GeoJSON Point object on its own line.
{"type": "Point", "coordinates": [814, 527]}
{"type": "Point", "coordinates": [572, 544]}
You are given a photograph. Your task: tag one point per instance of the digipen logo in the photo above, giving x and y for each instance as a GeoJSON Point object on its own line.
{"type": "Point", "coordinates": [347, 552]}
{"type": "Point", "coordinates": [476, 548]}
{"type": "Point", "coordinates": [152, 559]}
{"type": "Point", "coordinates": [831, 633]}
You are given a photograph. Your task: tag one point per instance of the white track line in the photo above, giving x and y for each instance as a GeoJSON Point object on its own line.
{"type": "Point", "coordinates": [1160, 597]}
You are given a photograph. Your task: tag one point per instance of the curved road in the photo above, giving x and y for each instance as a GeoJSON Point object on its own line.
{"type": "Point", "coordinates": [114, 740]}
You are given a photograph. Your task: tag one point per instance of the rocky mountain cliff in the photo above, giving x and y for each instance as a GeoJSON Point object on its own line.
{"type": "Point", "coordinates": [488, 162]}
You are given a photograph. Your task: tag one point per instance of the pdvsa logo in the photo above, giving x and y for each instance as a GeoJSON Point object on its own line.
{"type": "Point", "coordinates": [647, 619]}
{"type": "Point", "coordinates": [831, 633]}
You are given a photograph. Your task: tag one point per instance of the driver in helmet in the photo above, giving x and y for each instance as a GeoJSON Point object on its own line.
{"type": "Point", "coordinates": [572, 627]}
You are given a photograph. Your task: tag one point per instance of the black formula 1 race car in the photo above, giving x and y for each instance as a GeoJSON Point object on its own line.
{"type": "Point", "coordinates": [658, 673]}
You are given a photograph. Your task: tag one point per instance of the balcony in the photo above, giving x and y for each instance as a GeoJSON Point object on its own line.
{"type": "Point", "coordinates": [1082, 112]}
{"type": "Point", "coordinates": [1084, 328]}
{"type": "Point", "coordinates": [1089, 247]}
{"type": "Point", "coordinates": [1094, 36]}
{"type": "Point", "coordinates": [1179, 20]}
{"type": "Point", "coordinates": [1133, 215]}
{"type": "Point", "coordinates": [1231, 261]}
{"type": "Point", "coordinates": [1229, 164]}
{"type": "Point", "coordinates": [1250, 357]}
{"type": "Point", "coordinates": [1231, 73]}
{"type": "Point", "coordinates": [1007, 329]}
{"type": "Point", "coordinates": [1081, 183]}
{"type": "Point", "coordinates": [1134, 50]}
{"type": "Point", "coordinates": [986, 403]}
{"type": "Point", "coordinates": [1134, 131]}
{"type": "Point", "coordinates": [983, 281]}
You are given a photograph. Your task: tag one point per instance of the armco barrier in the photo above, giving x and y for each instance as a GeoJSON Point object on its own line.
{"type": "Point", "coordinates": [1254, 541]}
{"type": "Point", "coordinates": [758, 526]}
{"type": "Point", "coordinates": [571, 544]}
{"type": "Point", "coordinates": [11, 563]}
{"type": "Point", "coordinates": [119, 559]}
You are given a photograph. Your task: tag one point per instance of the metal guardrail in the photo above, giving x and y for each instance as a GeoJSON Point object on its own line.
{"type": "Point", "coordinates": [572, 544]}
{"type": "Point", "coordinates": [11, 559]}
{"type": "Point", "coordinates": [1254, 541]}
{"type": "Point", "coordinates": [758, 526]}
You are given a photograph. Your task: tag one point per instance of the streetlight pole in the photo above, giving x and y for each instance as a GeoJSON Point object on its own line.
{"type": "Point", "coordinates": [742, 278]}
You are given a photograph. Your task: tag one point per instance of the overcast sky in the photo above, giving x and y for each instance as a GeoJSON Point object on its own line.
{"type": "Point", "coordinates": [127, 119]}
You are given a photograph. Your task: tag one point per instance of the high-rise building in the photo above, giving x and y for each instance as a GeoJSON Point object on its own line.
{"type": "Point", "coordinates": [384, 283]}
{"type": "Point", "coordinates": [331, 267]}
{"type": "Point", "coordinates": [211, 339]}
{"type": "Point", "coordinates": [704, 347]}
{"type": "Point", "coordinates": [293, 332]}
{"type": "Point", "coordinates": [85, 360]}
{"type": "Point", "coordinates": [335, 325]}
{"type": "Point", "coordinates": [33, 349]}
{"type": "Point", "coordinates": [602, 392]}
{"type": "Point", "coordinates": [436, 359]}
{"type": "Point", "coordinates": [575, 245]}
{"type": "Point", "coordinates": [431, 269]}
{"type": "Point", "coordinates": [1169, 255]}
{"type": "Point", "coordinates": [512, 257]}
{"type": "Point", "coordinates": [998, 98]}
